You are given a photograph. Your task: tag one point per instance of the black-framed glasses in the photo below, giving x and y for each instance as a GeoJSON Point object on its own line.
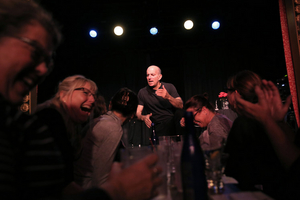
{"type": "Point", "coordinates": [229, 89]}
{"type": "Point", "coordinates": [39, 54]}
{"type": "Point", "coordinates": [196, 113]}
{"type": "Point", "coordinates": [87, 92]}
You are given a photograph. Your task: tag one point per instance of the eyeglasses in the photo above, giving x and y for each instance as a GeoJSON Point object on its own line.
{"type": "Point", "coordinates": [87, 92]}
{"type": "Point", "coordinates": [229, 89]}
{"type": "Point", "coordinates": [196, 113]}
{"type": "Point", "coordinates": [39, 54]}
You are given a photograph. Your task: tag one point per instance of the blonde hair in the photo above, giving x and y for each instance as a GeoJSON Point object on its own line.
{"type": "Point", "coordinates": [67, 86]}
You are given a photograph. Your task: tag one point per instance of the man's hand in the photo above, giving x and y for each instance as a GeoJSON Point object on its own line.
{"type": "Point", "coordinates": [147, 120]}
{"type": "Point", "coordinates": [137, 182]}
{"type": "Point", "coordinates": [182, 122]}
{"type": "Point", "coordinates": [176, 102]}
{"type": "Point", "coordinates": [162, 93]}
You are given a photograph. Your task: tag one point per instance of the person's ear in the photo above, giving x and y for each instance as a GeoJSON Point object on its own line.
{"type": "Point", "coordinates": [109, 106]}
{"type": "Point", "coordinates": [204, 110]}
{"type": "Point", "coordinates": [63, 96]}
{"type": "Point", "coordinates": [160, 76]}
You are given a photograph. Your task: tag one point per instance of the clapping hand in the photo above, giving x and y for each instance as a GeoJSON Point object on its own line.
{"type": "Point", "coordinates": [277, 108]}
{"type": "Point", "coordinates": [269, 103]}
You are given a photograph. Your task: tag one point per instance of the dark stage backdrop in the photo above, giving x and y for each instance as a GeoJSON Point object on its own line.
{"type": "Point", "coordinates": [197, 63]}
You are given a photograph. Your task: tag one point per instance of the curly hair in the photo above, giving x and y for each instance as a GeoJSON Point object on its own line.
{"type": "Point", "coordinates": [124, 101]}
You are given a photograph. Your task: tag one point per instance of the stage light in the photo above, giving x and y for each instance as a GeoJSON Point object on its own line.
{"type": "Point", "coordinates": [215, 25]}
{"type": "Point", "coordinates": [93, 33]}
{"type": "Point", "coordinates": [153, 31]}
{"type": "Point", "coordinates": [188, 24]}
{"type": "Point", "coordinates": [118, 30]}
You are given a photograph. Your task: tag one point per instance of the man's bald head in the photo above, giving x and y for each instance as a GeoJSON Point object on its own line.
{"type": "Point", "coordinates": [154, 76]}
{"type": "Point", "coordinates": [155, 68]}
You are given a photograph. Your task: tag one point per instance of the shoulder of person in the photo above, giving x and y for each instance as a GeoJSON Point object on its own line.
{"type": "Point", "coordinates": [52, 118]}
{"type": "Point", "coordinates": [167, 84]}
{"type": "Point", "coordinates": [142, 89]}
{"type": "Point", "coordinates": [142, 92]}
{"type": "Point", "coordinates": [247, 127]}
{"type": "Point", "coordinates": [49, 113]}
{"type": "Point", "coordinates": [223, 118]}
{"type": "Point", "coordinates": [106, 123]}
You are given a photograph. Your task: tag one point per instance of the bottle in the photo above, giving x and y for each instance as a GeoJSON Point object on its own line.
{"type": "Point", "coordinates": [154, 137]}
{"type": "Point", "coordinates": [193, 177]}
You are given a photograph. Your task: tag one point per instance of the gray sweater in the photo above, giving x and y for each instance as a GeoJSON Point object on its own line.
{"type": "Point", "coordinates": [217, 130]}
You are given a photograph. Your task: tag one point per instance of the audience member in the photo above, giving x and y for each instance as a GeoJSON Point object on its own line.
{"type": "Point", "coordinates": [28, 36]}
{"type": "Point", "coordinates": [65, 113]}
{"type": "Point", "coordinates": [270, 111]}
{"type": "Point", "coordinates": [159, 100]}
{"type": "Point", "coordinates": [100, 145]}
{"type": "Point", "coordinates": [218, 126]}
{"type": "Point", "coordinates": [32, 166]}
{"type": "Point", "coordinates": [252, 160]}
{"type": "Point", "coordinates": [100, 106]}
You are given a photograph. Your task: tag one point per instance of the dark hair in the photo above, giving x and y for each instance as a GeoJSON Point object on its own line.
{"type": "Point", "coordinates": [244, 82]}
{"type": "Point", "coordinates": [16, 14]}
{"type": "Point", "coordinates": [124, 101]}
{"type": "Point", "coordinates": [197, 102]}
{"type": "Point", "coordinates": [100, 106]}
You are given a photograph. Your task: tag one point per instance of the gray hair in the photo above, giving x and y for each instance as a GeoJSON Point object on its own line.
{"type": "Point", "coordinates": [16, 14]}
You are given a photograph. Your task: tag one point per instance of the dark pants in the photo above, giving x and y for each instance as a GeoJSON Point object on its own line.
{"type": "Point", "coordinates": [170, 126]}
{"type": "Point", "coordinates": [139, 133]}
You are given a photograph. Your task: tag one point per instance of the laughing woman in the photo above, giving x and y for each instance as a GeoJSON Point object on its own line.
{"type": "Point", "coordinates": [65, 113]}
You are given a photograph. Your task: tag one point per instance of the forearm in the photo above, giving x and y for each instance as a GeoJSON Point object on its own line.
{"type": "Point", "coordinates": [285, 127]}
{"type": "Point", "coordinates": [176, 102]}
{"type": "Point", "coordinates": [140, 116]}
{"type": "Point", "coordinates": [285, 149]}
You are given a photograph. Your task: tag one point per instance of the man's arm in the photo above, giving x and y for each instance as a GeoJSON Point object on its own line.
{"type": "Point", "coordinates": [176, 102]}
{"type": "Point", "coordinates": [145, 118]}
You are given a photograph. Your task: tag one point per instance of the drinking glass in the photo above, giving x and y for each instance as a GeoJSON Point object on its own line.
{"type": "Point", "coordinates": [173, 170]}
{"type": "Point", "coordinates": [215, 160]}
{"type": "Point", "coordinates": [131, 155]}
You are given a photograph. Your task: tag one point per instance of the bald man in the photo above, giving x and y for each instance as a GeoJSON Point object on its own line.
{"type": "Point", "coordinates": [159, 101]}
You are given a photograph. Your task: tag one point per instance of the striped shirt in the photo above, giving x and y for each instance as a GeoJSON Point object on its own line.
{"type": "Point", "coordinates": [31, 166]}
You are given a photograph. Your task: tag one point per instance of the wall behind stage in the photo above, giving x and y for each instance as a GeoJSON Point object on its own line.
{"type": "Point", "coordinates": [197, 61]}
{"type": "Point", "coordinates": [193, 70]}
